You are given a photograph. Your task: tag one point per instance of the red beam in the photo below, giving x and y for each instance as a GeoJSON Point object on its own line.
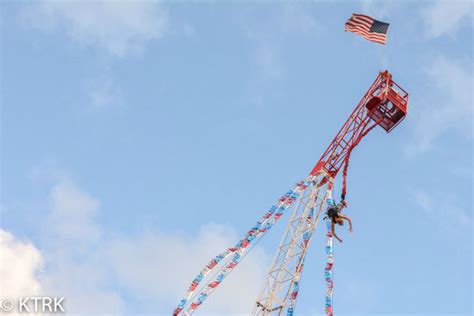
{"type": "Point", "coordinates": [360, 121]}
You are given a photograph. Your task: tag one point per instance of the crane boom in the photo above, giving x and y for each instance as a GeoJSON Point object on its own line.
{"type": "Point", "coordinates": [385, 104]}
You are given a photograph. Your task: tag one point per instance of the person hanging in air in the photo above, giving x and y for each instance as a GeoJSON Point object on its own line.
{"type": "Point", "coordinates": [336, 217]}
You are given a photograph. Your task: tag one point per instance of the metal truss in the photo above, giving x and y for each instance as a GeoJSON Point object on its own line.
{"type": "Point", "coordinates": [279, 292]}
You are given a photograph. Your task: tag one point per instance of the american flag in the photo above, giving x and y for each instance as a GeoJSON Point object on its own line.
{"type": "Point", "coordinates": [371, 29]}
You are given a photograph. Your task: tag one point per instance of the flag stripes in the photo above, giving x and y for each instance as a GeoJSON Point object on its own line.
{"type": "Point", "coordinates": [367, 27]}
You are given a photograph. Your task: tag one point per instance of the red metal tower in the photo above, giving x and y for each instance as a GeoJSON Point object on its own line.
{"type": "Point", "coordinates": [385, 104]}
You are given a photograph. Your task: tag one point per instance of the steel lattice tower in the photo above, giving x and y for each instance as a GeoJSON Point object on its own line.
{"type": "Point", "coordinates": [384, 104]}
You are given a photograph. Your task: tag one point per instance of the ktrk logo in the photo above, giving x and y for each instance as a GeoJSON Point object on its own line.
{"type": "Point", "coordinates": [32, 304]}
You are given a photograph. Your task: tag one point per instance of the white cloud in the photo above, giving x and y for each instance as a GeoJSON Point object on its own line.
{"type": "Point", "coordinates": [103, 92]}
{"type": "Point", "coordinates": [448, 213]}
{"type": "Point", "coordinates": [446, 16]}
{"type": "Point", "coordinates": [270, 34]}
{"type": "Point", "coordinates": [73, 252]}
{"type": "Point", "coordinates": [20, 265]}
{"type": "Point", "coordinates": [452, 110]}
{"type": "Point", "coordinates": [119, 27]}
{"type": "Point", "coordinates": [440, 17]}
{"type": "Point", "coordinates": [455, 79]}
{"type": "Point", "coordinates": [295, 18]}
{"type": "Point", "coordinates": [93, 269]}
{"type": "Point", "coordinates": [269, 37]}
{"type": "Point", "coordinates": [380, 9]}
{"type": "Point", "coordinates": [161, 266]}
{"type": "Point", "coordinates": [72, 213]}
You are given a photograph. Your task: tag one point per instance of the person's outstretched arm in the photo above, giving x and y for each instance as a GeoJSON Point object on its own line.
{"type": "Point", "coordinates": [334, 232]}
{"type": "Point", "coordinates": [347, 219]}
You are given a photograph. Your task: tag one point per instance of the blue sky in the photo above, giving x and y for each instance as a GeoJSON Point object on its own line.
{"type": "Point", "coordinates": [140, 139]}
